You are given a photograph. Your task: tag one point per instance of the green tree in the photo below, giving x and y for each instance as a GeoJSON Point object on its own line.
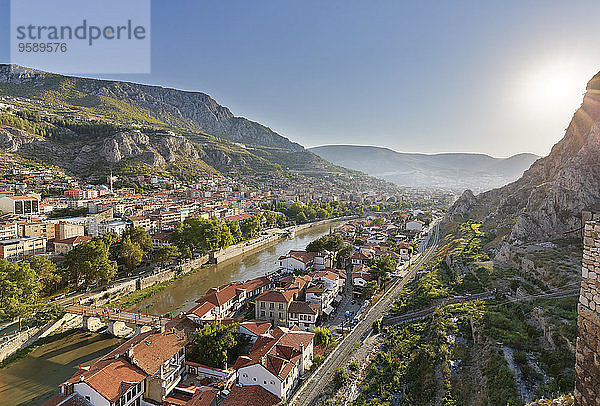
{"type": "Point", "coordinates": [46, 272]}
{"type": "Point", "coordinates": [369, 290]}
{"type": "Point", "coordinates": [344, 254]}
{"type": "Point", "coordinates": [213, 344]}
{"type": "Point", "coordinates": [378, 221]}
{"type": "Point", "coordinates": [251, 227]}
{"type": "Point", "coordinates": [323, 336]}
{"type": "Point", "coordinates": [89, 263]}
{"type": "Point", "coordinates": [19, 290]}
{"type": "Point", "coordinates": [340, 377]}
{"type": "Point", "coordinates": [382, 266]}
{"type": "Point", "coordinates": [140, 236]}
{"type": "Point", "coordinates": [130, 253]}
{"type": "Point", "coordinates": [234, 229]}
{"type": "Point", "coordinates": [166, 253]}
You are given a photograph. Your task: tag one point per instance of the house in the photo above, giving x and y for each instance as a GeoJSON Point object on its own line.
{"type": "Point", "coordinates": [224, 301]}
{"type": "Point", "coordinates": [166, 219]}
{"type": "Point", "coordinates": [161, 239]}
{"type": "Point", "coordinates": [252, 395]}
{"type": "Point", "coordinates": [143, 370]}
{"type": "Point", "coordinates": [361, 258]}
{"type": "Point", "coordinates": [254, 328]}
{"type": "Point", "coordinates": [115, 226]}
{"type": "Point", "coordinates": [63, 247]}
{"type": "Point", "coordinates": [20, 205]}
{"type": "Point", "coordinates": [302, 261]}
{"type": "Point", "coordinates": [277, 361]}
{"type": "Point", "coordinates": [416, 225]}
{"type": "Point", "coordinates": [18, 249]}
{"type": "Point", "coordinates": [272, 306]}
{"type": "Point", "coordinates": [187, 395]}
{"type": "Point", "coordinates": [360, 277]}
{"type": "Point", "coordinates": [303, 314]}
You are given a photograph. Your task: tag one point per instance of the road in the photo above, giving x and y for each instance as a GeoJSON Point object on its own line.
{"type": "Point", "coordinates": [314, 385]}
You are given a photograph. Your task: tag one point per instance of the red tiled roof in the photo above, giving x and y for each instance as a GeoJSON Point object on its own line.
{"type": "Point", "coordinates": [256, 327]}
{"type": "Point", "coordinates": [253, 395]}
{"type": "Point", "coordinates": [74, 240]}
{"type": "Point", "coordinates": [277, 296]}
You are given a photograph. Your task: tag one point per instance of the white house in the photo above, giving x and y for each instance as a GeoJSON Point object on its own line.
{"type": "Point", "coordinates": [277, 361]}
{"type": "Point", "coordinates": [415, 225]}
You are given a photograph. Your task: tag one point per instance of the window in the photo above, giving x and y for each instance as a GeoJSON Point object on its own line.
{"type": "Point", "coordinates": [271, 305]}
{"type": "Point", "coordinates": [270, 314]}
{"type": "Point", "coordinates": [254, 379]}
{"type": "Point", "coordinates": [262, 313]}
{"type": "Point", "coordinates": [280, 315]}
{"type": "Point", "coordinates": [280, 305]}
{"type": "Point", "coordinates": [262, 304]}
{"type": "Point", "coordinates": [272, 382]}
{"type": "Point", "coordinates": [245, 375]}
{"type": "Point", "coordinates": [265, 382]}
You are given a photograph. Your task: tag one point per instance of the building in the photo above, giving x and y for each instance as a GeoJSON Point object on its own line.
{"type": "Point", "coordinates": [63, 247]}
{"type": "Point", "coordinates": [277, 361]}
{"type": "Point", "coordinates": [115, 226]}
{"type": "Point", "coordinates": [166, 219]}
{"type": "Point", "coordinates": [415, 225]}
{"type": "Point", "coordinates": [252, 395]}
{"type": "Point", "coordinates": [141, 221]}
{"type": "Point", "coordinates": [18, 249]}
{"type": "Point", "coordinates": [64, 230]}
{"type": "Point", "coordinates": [8, 231]}
{"type": "Point", "coordinates": [20, 205]}
{"type": "Point", "coordinates": [144, 370]}
{"type": "Point", "coordinates": [303, 314]}
{"type": "Point", "coordinates": [303, 261]}
{"type": "Point", "coordinates": [273, 305]}
{"type": "Point", "coordinates": [37, 228]}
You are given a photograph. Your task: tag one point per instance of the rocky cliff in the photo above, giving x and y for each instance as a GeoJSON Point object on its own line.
{"type": "Point", "coordinates": [546, 202]}
{"type": "Point", "coordinates": [133, 102]}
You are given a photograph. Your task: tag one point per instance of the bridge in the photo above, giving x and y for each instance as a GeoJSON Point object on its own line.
{"type": "Point", "coordinates": [115, 319]}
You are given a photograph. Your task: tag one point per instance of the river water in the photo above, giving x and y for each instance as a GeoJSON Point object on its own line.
{"type": "Point", "coordinates": [35, 378]}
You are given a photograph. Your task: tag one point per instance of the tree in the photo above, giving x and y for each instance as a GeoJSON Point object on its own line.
{"type": "Point", "coordinates": [369, 290]}
{"type": "Point", "coordinates": [323, 336]}
{"type": "Point", "coordinates": [213, 343]}
{"type": "Point", "coordinates": [234, 229]}
{"type": "Point", "coordinates": [130, 253]}
{"type": "Point", "coordinates": [340, 377]}
{"type": "Point", "coordinates": [89, 263]}
{"type": "Point", "coordinates": [344, 254]}
{"type": "Point", "coordinates": [378, 221]}
{"type": "Point", "coordinates": [270, 218]}
{"type": "Point", "coordinates": [140, 236]}
{"type": "Point", "coordinates": [19, 289]}
{"type": "Point", "coordinates": [251, 227]}
{"type": "Point", "coordinates": [382, 266]}
{"type": "Point", "coordinates": [166, 253]}
{"type": "Point", "coordinates": [46, 272]}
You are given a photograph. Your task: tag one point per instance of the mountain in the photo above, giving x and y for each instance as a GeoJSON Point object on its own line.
{"type": "Point", "coordinates": [90, 127]}
{"type": "Point", "coordinates": [141, 104]}
{"type": "Point", "coordinates": [545, 204]}
{"type": "Point", "coordinates": [454, 171]}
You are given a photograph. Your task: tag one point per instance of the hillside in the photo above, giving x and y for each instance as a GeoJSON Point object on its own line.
{"type": "Point", "coordinates": [91, 127]}
{"type": "Point", "coordinates": [457, 171]}
{"type": "Point", "coordinates": [545, 204]}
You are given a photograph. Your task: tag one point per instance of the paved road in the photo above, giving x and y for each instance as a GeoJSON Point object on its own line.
{"type": "Point", "coordinates": [313, 387]}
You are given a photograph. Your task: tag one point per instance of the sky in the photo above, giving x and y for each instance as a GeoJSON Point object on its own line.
{"type": "Point", "coordinates": [496, 77]}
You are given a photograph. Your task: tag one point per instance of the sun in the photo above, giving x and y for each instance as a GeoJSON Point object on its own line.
{"type": "Point", "coordinates": [553, 89]}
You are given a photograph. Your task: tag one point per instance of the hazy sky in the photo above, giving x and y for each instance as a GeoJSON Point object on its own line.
{"type": "Point", "coordinates": [499, 77]}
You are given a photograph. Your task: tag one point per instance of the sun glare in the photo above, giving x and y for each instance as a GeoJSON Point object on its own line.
{"type": "Point", "coordinates": [554, 89]}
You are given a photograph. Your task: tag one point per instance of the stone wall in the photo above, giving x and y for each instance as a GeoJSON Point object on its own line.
{"type": "Point", "coordinates": [587, 368]}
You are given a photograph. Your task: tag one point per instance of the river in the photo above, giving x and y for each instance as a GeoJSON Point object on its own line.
{"type": "Point", "coordinates": [35, 378]}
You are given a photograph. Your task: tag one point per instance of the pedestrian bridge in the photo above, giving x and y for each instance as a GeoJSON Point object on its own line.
{"type": "Point", "coordinates": [116, 320]}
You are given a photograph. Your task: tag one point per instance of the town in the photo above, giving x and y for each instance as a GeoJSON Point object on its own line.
{"type": "Point", "coordinates": [72, 249]}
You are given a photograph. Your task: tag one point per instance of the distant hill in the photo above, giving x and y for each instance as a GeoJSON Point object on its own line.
{"type": "Point", "coordinates": [456, 171]}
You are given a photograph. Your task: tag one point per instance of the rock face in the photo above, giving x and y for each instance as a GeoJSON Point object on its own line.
{"type": "Point", "coordinates": [192, 111]}
{"type": "Point", "coordinates": [547, 201]}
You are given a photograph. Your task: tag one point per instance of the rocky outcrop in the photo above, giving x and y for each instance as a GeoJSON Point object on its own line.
{"type": "Point", "coordinates": [547, 201]}
{"type": "Point", "coordinates": [193, 111]}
